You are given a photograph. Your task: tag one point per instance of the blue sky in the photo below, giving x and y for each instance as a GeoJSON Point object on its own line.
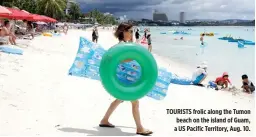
{"type": "Point", "coordinates": [195, 9]}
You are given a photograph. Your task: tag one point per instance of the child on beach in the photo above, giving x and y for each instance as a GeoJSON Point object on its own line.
{"type": "Point", "coordinates": [223, 81]}
{"type": "Point", "coordinates": [124, 33]}
{"type": "Point", "coordinates": [200, 74]}
{"type": "Point", "coordinates": [247, 86]}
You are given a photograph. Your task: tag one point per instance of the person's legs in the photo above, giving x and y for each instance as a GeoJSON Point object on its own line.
{"type": "Point", "coordinates": [247, 89]}
{"type": "Point", "coordinates": [149, 47]}
{"type": "Point", "coordinates": [252, 88]}
{"type": "Point", "coordinates": [202, 79]}
{"type": "Point", "coordinates": [199, 79]}
{"type": "Point", "coordinates": [11, 40]}
{"type": "Point", "coordinates": [136, 115]}
{"type": "Point", "coordinates": [225, 84]}
{"type": "Point", "coordinates": [220, 83]}
{"type": "Point", "coordinates": [111, 109]}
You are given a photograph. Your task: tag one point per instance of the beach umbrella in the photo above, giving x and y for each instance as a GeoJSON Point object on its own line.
{"type": "Point", "coordinates": [49, 19]}
{"type": "Point", "coordinates": [4, 10]}
{"type": "Point", "coordinates": [16, 14]}
{"type": "Point", "coordinates": [36, 17]}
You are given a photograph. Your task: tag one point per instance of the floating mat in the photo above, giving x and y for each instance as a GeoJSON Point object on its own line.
{"type": "Point", "coordinates": [87, 64]}
{"type": "Point", "coordinates": [240, 44]}
{"type": "Point", "coordinates": [11, 50]}
{"type": "Point", "coordinates": [247, 42]}
{"type": "Point", "coordinates": [180, 32]}
{"type": "Point", "coordinates": [180, 80]}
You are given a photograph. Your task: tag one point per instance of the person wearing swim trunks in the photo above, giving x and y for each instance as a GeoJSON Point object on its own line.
{"type": "Point", "coordinates": [145, 33]}
{"type": "Point", "coordinates": [137, 36]}
{"type": "Point", "coordinates": [223, 81]}
{"type": "Point", "coordinates": [200, 74]}
{"type": "Point", "coordinates": [95, 35]}
{"type": "Point", "coordinates": [247, 86]}
{"type": "Point", "coordinates": [6, 33]}
{"type": "Point", "coordinates": [124, 33]}
{"type": "Point", "coordinates": [202, 39]}
{"type": "Point", "coordinates": [149, 42]}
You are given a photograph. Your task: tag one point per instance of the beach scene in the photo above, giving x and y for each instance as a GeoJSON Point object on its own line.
{"type": "Point", "coordinates": [101, 74]}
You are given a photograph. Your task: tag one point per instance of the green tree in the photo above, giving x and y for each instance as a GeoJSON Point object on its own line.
{"type": "Point", "coordinates": [97, 16]}
{"type": "Point", "coordinates": [74, 11]}
{"type": "Point", "coordinates": [7, 3]}
{"type": "Point", "coordinates": [101, 18]}
{"type": "Point", "coordinates": [52, 8]}
{"type": "Point", "coordinates": [28, 5]}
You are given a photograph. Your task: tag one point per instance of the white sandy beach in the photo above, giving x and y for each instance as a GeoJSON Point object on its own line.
{"type": "Point", "coordinates": [37, 97]}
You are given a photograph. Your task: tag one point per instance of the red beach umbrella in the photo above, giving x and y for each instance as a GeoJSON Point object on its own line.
{"type": "Point", "coordinates": [50, 19]}
{"type": "Point", "coordinates": [4, 10]}
{"type": "Point", "coordinates": [36, 17]}
{"type": "Point", "coordinates": [16, 14]}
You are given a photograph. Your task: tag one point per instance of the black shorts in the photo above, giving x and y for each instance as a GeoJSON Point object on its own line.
{"type": "Point", "coordinates": [94, 38]}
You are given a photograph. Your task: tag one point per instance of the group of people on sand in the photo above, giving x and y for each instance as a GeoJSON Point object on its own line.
{"type": "Point", "coordinates": [124, 33]}
{"type": "Point", "coordinates": [8, 31]}
{"type": "Point", "coordinates": [222, 82]}
{"type": "Point", "coordinates": [146, 36]}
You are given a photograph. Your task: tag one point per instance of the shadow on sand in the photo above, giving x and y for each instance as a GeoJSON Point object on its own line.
{"type": "Point", "coordinates": [100, 131]}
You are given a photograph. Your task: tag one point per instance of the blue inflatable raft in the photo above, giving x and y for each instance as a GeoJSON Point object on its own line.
{"type": "Point", "coordinates": [11, 50]}
{"type": "Point", "coordinates": [87, 63]}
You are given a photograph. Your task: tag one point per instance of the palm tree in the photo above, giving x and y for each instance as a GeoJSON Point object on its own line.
{"type": "Point", "coordinates": [96, 15]}
{"type": "Point", "coordinates": [74, 11]}
{"type": "Point", "coordinates": [52, 8]}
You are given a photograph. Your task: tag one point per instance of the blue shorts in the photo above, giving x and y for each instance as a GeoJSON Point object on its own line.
{"type": "Point", "coordinates": [198, 79]}
{"type": "Point", "coordinates": [212, 84]}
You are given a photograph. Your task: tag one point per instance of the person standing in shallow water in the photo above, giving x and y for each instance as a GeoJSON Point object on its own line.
{"type": "Point", "coordinates": [124, 33]}
{"type": "Point", "coordinates": [137, 36]}
{"type": "Point", "coordinates": [149, 42]}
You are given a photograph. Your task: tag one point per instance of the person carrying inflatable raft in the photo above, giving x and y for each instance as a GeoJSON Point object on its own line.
{"type": "Point", "coordinates": [200, 74]}
{"type": "Point", "coordinates": [124, 33]}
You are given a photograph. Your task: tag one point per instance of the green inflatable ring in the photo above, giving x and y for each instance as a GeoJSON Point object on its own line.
{"type": "Point", "coordinates": [116, 55]}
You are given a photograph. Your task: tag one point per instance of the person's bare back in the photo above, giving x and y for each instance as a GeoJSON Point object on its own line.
{"type": "Point", "coordinates": [4, 32]}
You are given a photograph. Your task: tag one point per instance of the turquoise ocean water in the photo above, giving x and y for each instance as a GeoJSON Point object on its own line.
{"type": "Point", "coordinates": [220, 55]}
